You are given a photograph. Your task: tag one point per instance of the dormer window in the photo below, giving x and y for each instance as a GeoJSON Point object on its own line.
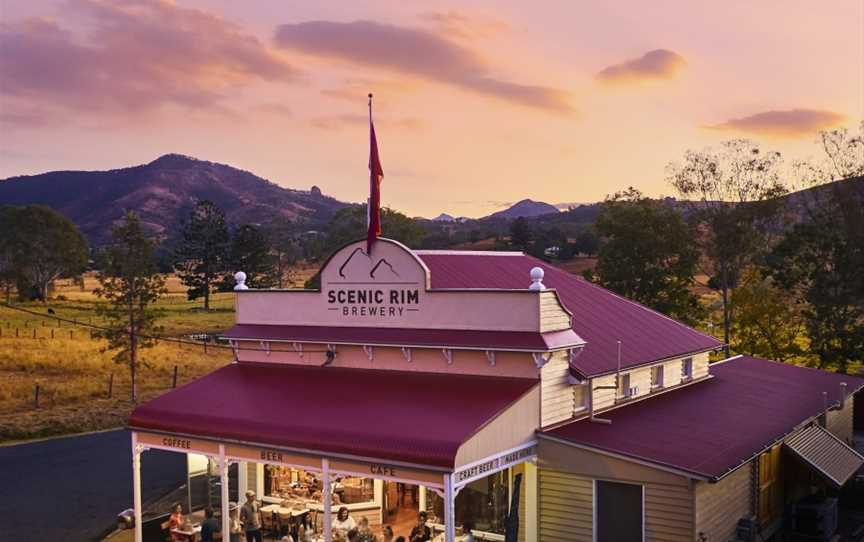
{"type": "Point", "coordinates": [686, 368]}
{"type": "Point", "coordinates": [656, 377]}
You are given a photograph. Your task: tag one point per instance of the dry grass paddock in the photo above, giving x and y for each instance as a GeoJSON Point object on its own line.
{"type": "Point", "coordinates": [73, 369]}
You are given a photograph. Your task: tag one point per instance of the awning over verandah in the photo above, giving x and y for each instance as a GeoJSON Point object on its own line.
{"type": "Point", "coordinates": [438, 430]}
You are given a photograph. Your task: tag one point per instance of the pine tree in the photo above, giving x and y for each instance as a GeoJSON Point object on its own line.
{"type": "Point", "coordinates": [130, 283]}
{"type": "Point", "coordinates": [200, 258]}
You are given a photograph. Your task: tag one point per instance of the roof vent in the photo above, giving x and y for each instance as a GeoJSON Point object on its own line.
{"type": "Point", "coordinates": [240, 280]}
{"type": "Point", "coordinates": [537, 279]}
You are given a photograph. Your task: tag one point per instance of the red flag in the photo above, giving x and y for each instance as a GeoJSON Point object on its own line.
{"type": "Point", "coordinates": [375, 176]}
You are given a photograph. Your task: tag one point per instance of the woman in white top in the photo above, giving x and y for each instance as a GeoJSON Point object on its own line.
{"type": "Point", "coordinates": [343, 523]}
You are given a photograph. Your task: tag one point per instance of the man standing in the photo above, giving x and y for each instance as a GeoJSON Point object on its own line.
{"type": "Point", "coordinates": [210, 527]}
{"type": "Point", "coordinates": [250, 515]}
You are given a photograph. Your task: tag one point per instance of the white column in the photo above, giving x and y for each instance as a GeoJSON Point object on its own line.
{"type": "Point", "coordinates": [422, 498]}
{"type": "Point", "coordinates": [449, 510]}
{"type": "Point", "coordinates": [224, 482]}
{"type": "Point", "coordinates": [531, 512]}
{"type": "Point", "coordinates": [242, 479]}
{"type": "Point", "coordinates": [136, 488]}
{"type": "Point", "coordinates": [328, 500]}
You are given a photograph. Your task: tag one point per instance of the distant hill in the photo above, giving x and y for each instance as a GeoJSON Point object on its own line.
{"type": "Point", "coordinates": [526, 208]}
{"type": "Point", "coordinates": [162, 193]}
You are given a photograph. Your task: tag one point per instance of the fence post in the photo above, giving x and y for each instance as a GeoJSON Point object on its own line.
{"type": "Point", "coordinates": [34, 332]}
{"type": "Point", "coordinates": [16, 332]}
{"type": "Point", "coordinates": [174, 382]}
{"type": "Point", "coordinates": [110, 385]}
{"type": "Point", "coordinates": [205, 344]}
{"type": "Point", "coordinates": [70, 334]}
{"type": "Point", "coordinates": [52, 332]}
{"type": "Point", "coordinates": [36, 396]}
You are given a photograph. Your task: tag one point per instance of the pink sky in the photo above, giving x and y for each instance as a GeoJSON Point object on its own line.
{"type": "Point", "coordinates": [478, 103]}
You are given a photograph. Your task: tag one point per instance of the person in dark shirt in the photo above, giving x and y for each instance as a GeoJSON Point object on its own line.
{"type": "Point", "coordinates": [421, 532]}
{"type": "Point", "coordinates": [210, 528]}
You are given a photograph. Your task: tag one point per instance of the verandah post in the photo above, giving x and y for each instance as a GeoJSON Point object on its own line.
{"type": "Point", "coordinates": [223, 482]}
{"type": "Point", "coordinates": [449, 509]}
{"type": "Point", "coordinates": [136, 488]}
{"type": "Point", "coordinates": [328, 500]}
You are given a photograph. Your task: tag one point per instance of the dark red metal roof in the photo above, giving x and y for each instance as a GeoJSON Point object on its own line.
{"type": "Point", "coordinates": [712, 427]}
{"type": "Point", "coordinates": [457, 338]}
{"type": "Point", "coordinates": [600, 317]}
{"type": "Point", "coordinates": [412, 417]}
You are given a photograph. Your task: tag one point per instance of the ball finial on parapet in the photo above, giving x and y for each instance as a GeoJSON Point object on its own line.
{"type": "Point", "coordinates": [240, 280]}
{"type": "Point", "coordinates": [537, 274]}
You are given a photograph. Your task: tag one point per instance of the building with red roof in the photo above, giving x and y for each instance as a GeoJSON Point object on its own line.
{"type": "Point", "coordinates": [493, 391]}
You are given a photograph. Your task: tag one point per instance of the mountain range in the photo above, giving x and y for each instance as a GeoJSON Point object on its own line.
{"type": "Point", "coordinates": [163, 193]}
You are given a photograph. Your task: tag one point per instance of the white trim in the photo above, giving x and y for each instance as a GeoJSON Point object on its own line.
{"type": "Point", "coordinates": [298, 347]}
{"type": "Point", "coordinates": [719, 362]}
{"type": "Point", "coordinates": [327, 499]}
{"type": "Point", "coordinates": [136, 487]}
{"type": "Point", "coordinates": [315, 453]}
{"type": "Point", "coordinates": [449, 510]}
{"type": "Point", "coordinates": [419, 346]}
{"type": "Point", "coordinates": [369, 350]}
{"type": "Point", "coordinates": [498, 467]}
{"type": "Point", "coordinates": [468, 252]}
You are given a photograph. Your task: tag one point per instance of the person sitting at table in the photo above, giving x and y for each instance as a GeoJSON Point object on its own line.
{"type": "Point", "coordinates": [234, 524]}
{"type": "Point", "coordinates": [467, 527]}
{"type": "Point", "coordinates": [210, 528]}
{"type": "Point", "coordinates": [175, 521]}
{"type": "Point", "coordinates": [387, 533]}
{"type": "Point", "coordinates": [421, 532]}
{"type": "Point", "coordinates": [353, 535]}
{"type": "Point", "coordinates": [306, 530]}
{"type": "Point", "coordinates": [364, 532]}
{"type": "Point", "coordinates": [343, 523]}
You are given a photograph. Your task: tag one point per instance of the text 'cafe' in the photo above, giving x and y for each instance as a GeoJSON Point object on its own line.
{"type": "Point", "coordinates": [495, 393]}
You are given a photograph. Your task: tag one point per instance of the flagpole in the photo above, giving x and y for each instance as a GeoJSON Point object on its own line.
{"type": "Point", "coordinates": [369, 199]}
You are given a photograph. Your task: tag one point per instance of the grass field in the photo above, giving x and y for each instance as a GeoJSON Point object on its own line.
{"type": "Point", "coordinates": [73, 369]}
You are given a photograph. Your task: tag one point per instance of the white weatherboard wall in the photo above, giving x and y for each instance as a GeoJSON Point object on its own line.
{"type": "Point", "coordinates": [557, 395]}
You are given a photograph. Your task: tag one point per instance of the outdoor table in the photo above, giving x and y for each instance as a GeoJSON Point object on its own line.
{"type": "Point", "coordinates": [190, 535]}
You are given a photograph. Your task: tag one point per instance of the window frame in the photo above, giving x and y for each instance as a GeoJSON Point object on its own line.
{"type": "Point", "coordinates": [687, 369]}
{"type": "Point", "coordinates": [658, 374]}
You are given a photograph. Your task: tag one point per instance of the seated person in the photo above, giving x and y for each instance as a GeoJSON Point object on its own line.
{"type": "Point", "coordinates": [364, 532]}
{"type": "Point", "coordinates": [343, 523]}
{"type": "Point", "coordinates": [210, 528]}
{"type": "Point", "coordinates": [175, 521]}
{"type": "Point", "coordinates": [421, 532]}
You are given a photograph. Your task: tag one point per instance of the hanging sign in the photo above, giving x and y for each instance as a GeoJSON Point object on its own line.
{"type": "Point", "coordinates": [178, 443]}
{"type": "Point", "coordinates": [272, 456]}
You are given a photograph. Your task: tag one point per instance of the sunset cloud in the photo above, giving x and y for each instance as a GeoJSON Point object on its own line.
{"type": "Point", "coordinates": [654, 65]}
{"type": "Point", "coordinates": [465, 26]}
{"type": "Point", "coordinates": [416, 53]}
{"type": "Point", "coordinates": [134, 57]}
{"type": "Point", "coordinates": [788, 123]}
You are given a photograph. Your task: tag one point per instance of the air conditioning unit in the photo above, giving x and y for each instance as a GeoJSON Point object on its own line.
{"type": "Point", "coordinates": [747, 529]}
{"type": "Point", "coordinates": [633, 391]}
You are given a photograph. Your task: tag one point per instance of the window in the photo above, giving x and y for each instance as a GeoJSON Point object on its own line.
{"type": "Point", "coordinates": [580, 396]}
{"type": "Point", "coordinates": [617, 512]}
{"type": "Point", "coordinates": [624, 389]}
{"type": "Point", "coordinates": [288, 483]}
{"type": "Point", "coordinates": [485, 501]}
{"type": "Point", "coordinates": [686, 368]}
{"type": "Point", "coordinates": [656, 377]}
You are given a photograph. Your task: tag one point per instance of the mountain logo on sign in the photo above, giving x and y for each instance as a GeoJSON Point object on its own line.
{"type": "Point", "coordinates": [382, 263]}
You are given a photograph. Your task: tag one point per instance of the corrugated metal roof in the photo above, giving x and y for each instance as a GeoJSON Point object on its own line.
{"type": "Point", "coordinates": [829, 455]}
{"type": "Point", "coordinates": [711, 427]}
{"type": "Point", "coordinates": [456, 338]}
{"type": "Point", "coordinates": [411, 417]}
{"type": "Point", "coordinates": [600, 317]}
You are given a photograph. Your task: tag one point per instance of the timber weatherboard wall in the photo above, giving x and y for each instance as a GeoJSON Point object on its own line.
{"type": "Point", "coordinates": [557, 394]}
{"type": "Point", "coordinates": [553, 316]}
{"type": "Point", "coordinates": [566, 500]}
{"type": "Point", "coordinates": [720, 505]}
{"type": "Point", "coordinates": [640, 378]}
